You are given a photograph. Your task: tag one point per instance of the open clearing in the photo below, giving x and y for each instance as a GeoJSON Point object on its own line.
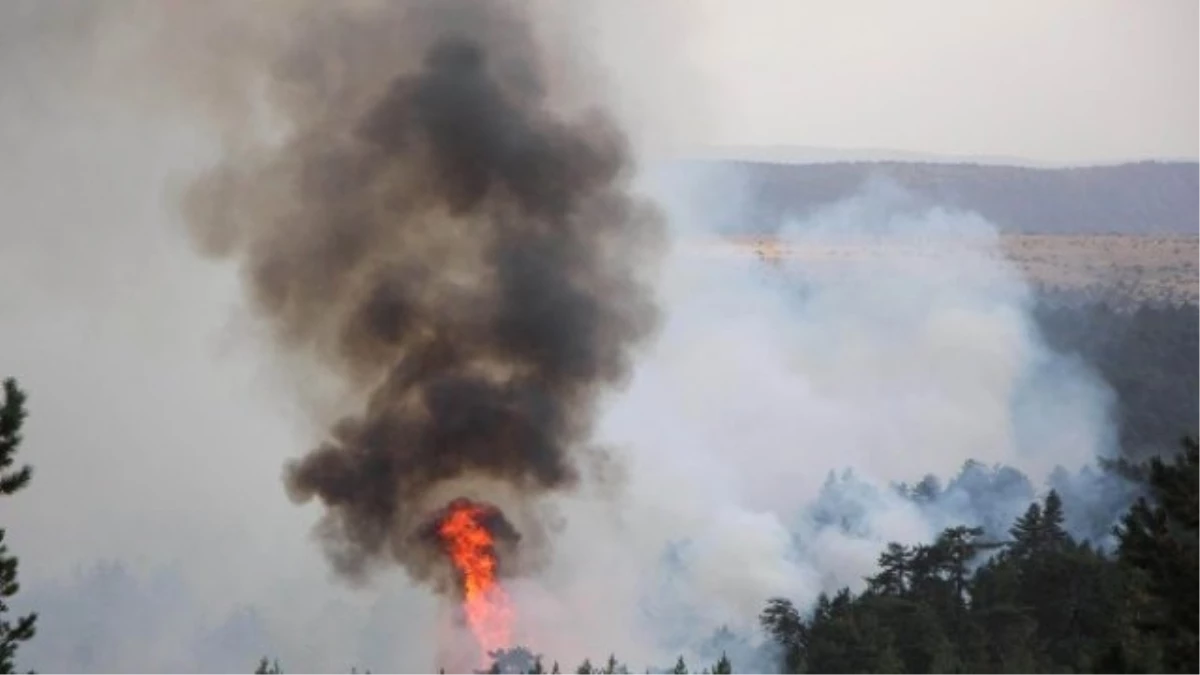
{"type": "Point", "coordinates": [1154, 268]}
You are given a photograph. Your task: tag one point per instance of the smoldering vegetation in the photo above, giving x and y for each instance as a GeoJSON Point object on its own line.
{"type": "Point", "coordinates": [469, 261]}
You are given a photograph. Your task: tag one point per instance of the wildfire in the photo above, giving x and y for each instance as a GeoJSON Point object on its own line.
{"type": "Point", "coordinates": [471, 548]}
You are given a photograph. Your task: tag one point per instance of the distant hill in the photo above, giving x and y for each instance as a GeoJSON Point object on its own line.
{"type": "Point", "coordinates": [805, 154]}
{"type": "Point", "coordinates": [1137, 198]}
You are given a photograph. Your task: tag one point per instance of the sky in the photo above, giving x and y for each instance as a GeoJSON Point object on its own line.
{"type": "Point", "coordinates": [1062, 81]}
{"type": "Point", "coordinates": [1069, 81]}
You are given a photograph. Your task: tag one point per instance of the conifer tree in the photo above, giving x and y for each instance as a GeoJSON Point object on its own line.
{"type": "Point", "coordinates": [894, 570]}
{"type": "Point", "coordinates": [266, 667]}
{"type": "Point", "coordinates": [22, 629]}
{"type": "Point", "coordinates": [1158, 543]}
{"type": "Point", "coordinates": [1054, 534]}
{"type": "Point", "coordinates": [781, 620]}
{"type": "Point", "coordinates": [1025, 531]}
{"type": "Point", "coordinates": [1040, 529]}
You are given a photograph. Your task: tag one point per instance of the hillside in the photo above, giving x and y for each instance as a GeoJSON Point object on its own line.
{"type": "Point", "coordinates": [1137, 198]}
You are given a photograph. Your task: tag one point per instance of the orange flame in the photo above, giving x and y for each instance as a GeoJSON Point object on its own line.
{"type": "Point", "coordinates": [472, 551]}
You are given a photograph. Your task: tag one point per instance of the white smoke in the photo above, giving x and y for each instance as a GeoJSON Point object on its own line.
{"type": "Point", "coordinates": [764, 429]}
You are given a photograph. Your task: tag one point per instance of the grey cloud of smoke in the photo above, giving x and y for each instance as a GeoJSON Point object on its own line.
{"type": "Point", "coordinates": [467, 262]}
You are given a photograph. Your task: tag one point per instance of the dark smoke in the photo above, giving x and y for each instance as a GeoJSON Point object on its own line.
{"type": "Point", "coordinates": [466, 258]}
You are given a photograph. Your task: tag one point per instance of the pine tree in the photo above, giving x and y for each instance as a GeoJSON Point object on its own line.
{"type": "Point", "coordinates": [1026, 531]}
{"type": "Point", "coordinates": [722, 666]}
{"type": "Point", "coordinates": [894, 570]}
{"type": "Point", "coordinates": [781, 620]}
{"type": "Point", "coordinates": [847, 636]}
{"type": "Point", "coordinates": [1053, 534]}
{"type": "Point", "coordinates": [680, 667]}
{"type": "Point", "coordinates": [1159, 545]}
{"type": "Point", "coordinates": [12, 417]}
{"type": "Point", "coordinates": [959, 546]}
{"type": "Point", "coordinates": [927, 491]}
{"type": "Point", "coordinates": [1040, 529]}
{"type": "Point", "coordinates": [584, 668]}
{"type": "Point", "coordinates": [266, 667]}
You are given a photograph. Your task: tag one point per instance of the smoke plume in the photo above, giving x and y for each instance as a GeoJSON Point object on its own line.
{"type": "Point", "coordinates": [466, 258]}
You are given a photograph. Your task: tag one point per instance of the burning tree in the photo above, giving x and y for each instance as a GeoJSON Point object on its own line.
{"type": "Point", "coordinates": [464, 532]}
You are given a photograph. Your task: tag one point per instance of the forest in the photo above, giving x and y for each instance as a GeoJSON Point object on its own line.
{"type": "Point", "coordinates": [1132, 198]}
{"type": "Point", "coordinates": [1148, 354]}
{"type": "Point", "coordinates": [1057, 589]}
{"type": "Point", "coordinates": [1036, 600]}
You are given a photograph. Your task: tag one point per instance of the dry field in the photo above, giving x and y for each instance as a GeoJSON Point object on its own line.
{"type": "Point", "coordinates": [1158, 268]}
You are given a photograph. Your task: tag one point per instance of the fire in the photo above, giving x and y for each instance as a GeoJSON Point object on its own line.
{"type": "Point", "coordinates": [471, 548]}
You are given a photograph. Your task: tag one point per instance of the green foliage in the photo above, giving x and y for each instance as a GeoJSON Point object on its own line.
{"type": "Point", "coordinates": [1042, 603]}
{"type": "Point", "coordinates": [13, 632]}
{"type": "Point", "coordinates": [1158, 547]}
{"type": "Point", "coordinates": [680, 667]}
{"type": "Point", "coordinates": [1150, 356]}
{"type": "Point", "coordinates": [781, 621]}
{"type": "Point", "coordinates": [12, 418]}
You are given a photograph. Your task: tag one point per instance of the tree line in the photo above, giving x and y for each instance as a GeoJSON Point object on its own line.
{"type": "Point", "coordinates": [1036, 601]}
{"type": "Point", "coordinates": [1149, 354]}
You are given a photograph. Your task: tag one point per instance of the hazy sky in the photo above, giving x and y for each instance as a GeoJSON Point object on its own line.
{"type": "Point", "coordinates": [1059, 81]}
{"type": "Point", "coordinates": [1067, 80]}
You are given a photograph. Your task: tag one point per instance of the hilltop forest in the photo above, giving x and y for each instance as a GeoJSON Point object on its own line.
{"type": "Point", "coordinates": [1134, 198]}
